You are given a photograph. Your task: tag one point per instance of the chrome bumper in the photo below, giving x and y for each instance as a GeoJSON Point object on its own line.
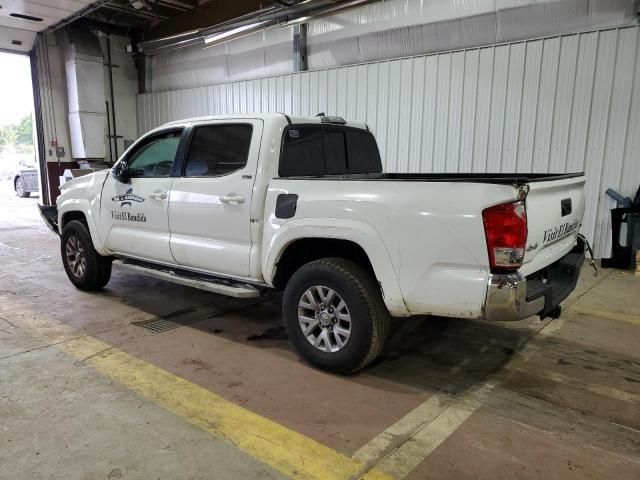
{"type": "Point", "coordinates": [507, 298]}
{"type": "Point", "coordinates": [511, 296]}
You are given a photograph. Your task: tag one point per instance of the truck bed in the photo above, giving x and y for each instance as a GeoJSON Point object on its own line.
{"type": "Point", "coordinates": [494, 178]}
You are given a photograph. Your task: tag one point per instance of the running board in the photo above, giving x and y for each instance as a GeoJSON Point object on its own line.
{"type": "Point", "coordinates": [211, 284]}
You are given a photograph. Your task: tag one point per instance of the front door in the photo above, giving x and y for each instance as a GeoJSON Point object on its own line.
{"type": "Point", "coordinates": [210, 207]}
{"type": "Point", "coordinates": [134, 216]}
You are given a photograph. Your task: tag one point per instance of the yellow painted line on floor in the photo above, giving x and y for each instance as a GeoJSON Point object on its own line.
{"type": "Point", "coordinates": [289, 452]}
{"type": "Point", "coordinates": [407, 426]}
{"type": "Point", "coordinates": [425, 428]}
{"type": "Point", "coordinates": [597, 388]}
{"type": "Point", "coordinates": [550, 328]}
{"type": "Point", "coordinates": [401, 461]}
{"type": "Point", "coordinates": [617, 316]}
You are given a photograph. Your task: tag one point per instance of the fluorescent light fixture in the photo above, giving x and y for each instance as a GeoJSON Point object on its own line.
{"type": "Point", "coordinates": [235, 32]}
{"type": "Point", "coordinates": [296, 21]}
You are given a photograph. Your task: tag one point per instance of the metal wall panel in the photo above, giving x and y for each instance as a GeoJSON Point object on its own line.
{"type": "Point", "coordinates": [557, 104]}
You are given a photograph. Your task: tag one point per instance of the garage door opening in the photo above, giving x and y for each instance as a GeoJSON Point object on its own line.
{"type": "Point", "coordinates": [19, 172]}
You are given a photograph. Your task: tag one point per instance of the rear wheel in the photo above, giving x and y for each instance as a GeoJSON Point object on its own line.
{"type": "Point", "coordinates": [335, 316]}
{"type": "Point", "coordinates": [86, 268]}
{"type": "Point", "coordinates": [21, 189]}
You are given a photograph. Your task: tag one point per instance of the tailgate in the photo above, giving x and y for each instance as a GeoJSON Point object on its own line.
{"type": "Point", "coordinates": [554, 215]}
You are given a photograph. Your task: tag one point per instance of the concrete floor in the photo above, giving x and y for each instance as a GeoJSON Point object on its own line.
{"type": "Point", "coordinates": [86, 392]}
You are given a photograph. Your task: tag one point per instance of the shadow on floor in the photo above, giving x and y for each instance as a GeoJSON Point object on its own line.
{"type": "Point", "coordinates": [424, 353]}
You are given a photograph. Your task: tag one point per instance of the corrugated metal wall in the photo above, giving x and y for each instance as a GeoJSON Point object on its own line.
{"type": "Point", "coordinates": [559, 104]}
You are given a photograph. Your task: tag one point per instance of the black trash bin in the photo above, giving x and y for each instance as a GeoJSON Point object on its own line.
{"type": "Point", "coordinates": [629, 213]}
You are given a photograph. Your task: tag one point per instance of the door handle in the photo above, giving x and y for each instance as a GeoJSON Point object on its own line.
{"type": "Point", "coordinates": [158, 195]}
{"type": "Point", "coordinates": [232, 199]}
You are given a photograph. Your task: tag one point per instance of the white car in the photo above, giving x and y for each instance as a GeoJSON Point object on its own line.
{"type": "Point", "coordinates": [243, 204]}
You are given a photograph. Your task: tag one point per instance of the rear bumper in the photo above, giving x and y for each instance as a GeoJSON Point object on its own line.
{"type": "Point", "coordinates": [49, 214]}
{"type": "Point", "coordinates": [512, 296]}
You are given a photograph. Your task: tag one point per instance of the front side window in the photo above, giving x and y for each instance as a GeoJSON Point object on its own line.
{"type": "Point", "coordinates": [155, 156]}
{"type": "Point", "coordinates": [218, 150]}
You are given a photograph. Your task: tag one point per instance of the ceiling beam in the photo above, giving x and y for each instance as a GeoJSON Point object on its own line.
{"type": "Point", "coordinates": [178, 4]}
{"type": "Point", "coordinates": [137, 13]}
{"type": "Point", "coordinates": [210, 13]}
{"type": "Point", "coordinates": [97, 22]}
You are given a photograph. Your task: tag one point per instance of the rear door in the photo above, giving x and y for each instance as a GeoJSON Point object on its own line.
{"type": "Point", "coordinates": [134, 216]}
{"type": "Point", "coordinates": [210, 207]}
{"type": "Point", "coordinates": [555, 209]}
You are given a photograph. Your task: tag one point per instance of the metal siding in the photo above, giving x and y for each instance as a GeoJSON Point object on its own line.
{"type": "Point", "coordinates": [630, 172]}
{"type": "Point", "coordinates": [393, 115]}
{"type": "Point", "coordinates": [415, 119]}
{"type": "Point", "coordinates": [581, 105]}
{"type": "Point", "coordinates": [563, 103]}
{"type": "Point", "coordinates": [546, 104]}
{"type": "Point", "coordinates": [360, 92]}
{"type": "Point", "coordinates": [382, 111]}
{"type": "Point", "coordinates": [442, 112]}
{"type": "Point", "coordinates": [594, 159]}
{"type": "Point", "coordinates": [616, 129]}
{"type": "Point", "coordinates": [483, 110]}
{"type": "Point", "coordinates": [456, 96]}
{"type": "Point", "coordinates": [513, 108]}
{"type": "Point", "coordinates": [372, 96]}
{"type": "Point", "coordinates": [470, 93]}
{"type": "Point", "coordinates": [429, 117]}
{"type": "Point", "coordinates": [529, 106]}
{"type": "Point", "coordinates": [497, 108]}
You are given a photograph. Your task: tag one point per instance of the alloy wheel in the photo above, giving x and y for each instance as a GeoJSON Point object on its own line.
{"type": "Point", "coordinates": [76, 256]}
{"type": "Point", "coordinates": [324, 318]}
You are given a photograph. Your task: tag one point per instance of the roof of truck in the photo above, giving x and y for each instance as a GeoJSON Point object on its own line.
{"type": "Point", "coordinates": [265, 117]}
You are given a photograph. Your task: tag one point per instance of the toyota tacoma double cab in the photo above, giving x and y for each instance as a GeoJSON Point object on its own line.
{"type": "Point", "coordinates": [240, 205]}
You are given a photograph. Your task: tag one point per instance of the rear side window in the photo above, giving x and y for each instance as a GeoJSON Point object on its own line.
{"type": "Point", "coordinates": [311, 150]}
{"type": "Point", "coordinates": [218, 150]}
{"type": "Point", "coordinates": [302, 152]}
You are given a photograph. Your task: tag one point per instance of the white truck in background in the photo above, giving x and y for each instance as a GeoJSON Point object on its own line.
{"type": "Point", "coordinates": [242, 204]}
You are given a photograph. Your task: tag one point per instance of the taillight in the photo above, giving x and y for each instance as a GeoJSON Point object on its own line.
{"type": "Point", "coordinates": [505, 227]}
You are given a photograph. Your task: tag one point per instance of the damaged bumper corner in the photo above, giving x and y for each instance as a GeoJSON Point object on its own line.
{"type": "Point", "coordinates": [512, 296]}
{"type": "Point", "coordinates": [49, 214]}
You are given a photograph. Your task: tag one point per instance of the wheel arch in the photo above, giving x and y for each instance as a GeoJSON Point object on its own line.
{"type": "Point", "coordinates": [310, 239]}
{"type": "Point", "coordinates": [78, 209]}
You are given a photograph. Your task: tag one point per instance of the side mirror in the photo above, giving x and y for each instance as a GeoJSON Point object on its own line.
{"type": "Point", "coordinates": [120, 171]}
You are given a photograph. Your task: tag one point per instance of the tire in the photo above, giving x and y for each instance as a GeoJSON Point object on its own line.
{"type": "Point", "coordinates": [368, 323]}
{"type": "Point", "coordinates": [93, 270]}
{"type": "Point", "coordinates": [20, 188]}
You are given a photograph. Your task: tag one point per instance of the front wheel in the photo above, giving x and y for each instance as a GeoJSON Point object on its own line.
{"type": "Point", "coordinates": [335, 316]}
{"type": "Point", "coordinates": [86, 268]}
{"type": "Point", "coordinates": [21, 190]}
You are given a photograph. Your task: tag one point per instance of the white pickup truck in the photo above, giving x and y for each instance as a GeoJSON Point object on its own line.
{"type": "Point", "coordinates": [239, 205]}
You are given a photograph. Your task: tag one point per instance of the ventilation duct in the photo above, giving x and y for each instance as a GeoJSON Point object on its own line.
{"type": "Point", "coordinates": [251, 23]}
{"type": "Point", "coordinates": [85, 92]}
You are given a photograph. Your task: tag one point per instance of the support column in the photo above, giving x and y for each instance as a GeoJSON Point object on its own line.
{"type": "Point", "coordinates": [300, 63]}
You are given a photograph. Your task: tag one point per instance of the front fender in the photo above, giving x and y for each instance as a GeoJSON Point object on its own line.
{"type": "Point", "coordinates": [87, 208]}
{"type": "Point", "coordinates": [352, 230]}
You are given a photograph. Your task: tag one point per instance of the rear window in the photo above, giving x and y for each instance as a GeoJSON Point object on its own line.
{"type": "Point", "coordinates": [310, 150]}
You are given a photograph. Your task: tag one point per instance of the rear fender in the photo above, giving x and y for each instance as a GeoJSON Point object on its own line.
{"type": "Point", "coordinates": [357, 232]}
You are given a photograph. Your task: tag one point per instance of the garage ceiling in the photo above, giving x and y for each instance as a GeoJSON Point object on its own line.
{"type": "Point", "coordinates": [21, 20]}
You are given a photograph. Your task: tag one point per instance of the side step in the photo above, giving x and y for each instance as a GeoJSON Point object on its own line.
{"type": "Point", "coordinates": [211, 284]}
